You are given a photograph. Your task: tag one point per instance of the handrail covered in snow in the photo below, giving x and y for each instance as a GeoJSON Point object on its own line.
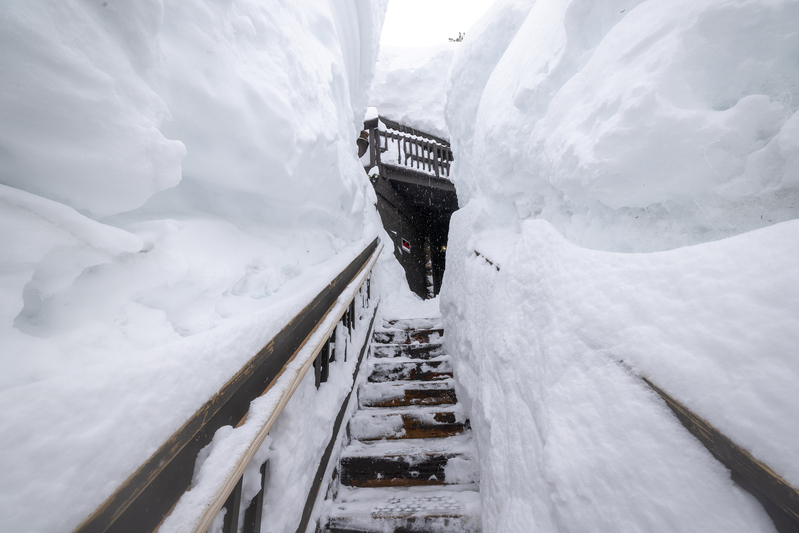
{"type": "Point", "coordinates": [149, 495]}
{"type": "Point", "coordinates": [413, 150]}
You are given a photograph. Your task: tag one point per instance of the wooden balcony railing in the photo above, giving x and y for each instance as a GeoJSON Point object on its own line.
{"type": "Point", "coordinates": [392, 143]}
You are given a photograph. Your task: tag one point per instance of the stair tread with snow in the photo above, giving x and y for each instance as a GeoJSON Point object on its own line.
{"type": "Point", "coordinates": [407, 510]}
{"type": "Point", "coordinates": [413, 323]}
{"type": "Point", "coordinates": [408, 370]}
{"type": "Point", "coordinates": [410, 423]}
{"type": "Point", "coordinates": [395, 394]}
{"type": "Point", "coordinates": [408, 336]}
{"type": "Point", "coordinates": [409, 351]}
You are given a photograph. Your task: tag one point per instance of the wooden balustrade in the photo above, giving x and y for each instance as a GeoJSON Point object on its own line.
{"type": "Point", "coordinates": [415, 150]}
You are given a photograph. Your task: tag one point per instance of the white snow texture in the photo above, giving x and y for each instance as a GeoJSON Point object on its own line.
{"type": "Point", "coordinates": [587, 128]}
{"type": "Point", "coordinates": [177, 180]}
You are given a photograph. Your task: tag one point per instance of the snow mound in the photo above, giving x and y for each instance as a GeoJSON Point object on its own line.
{"type": "Point", "coordinates": [582, 129]}
{"type": "Point", "coordinates": [569, 438]}
{"type": "Point", "coordinates": [178, 179]}
{"type": "Point", "coordinates": [631, 126]}
{"type": "Point", "coordinates": [410, 86]}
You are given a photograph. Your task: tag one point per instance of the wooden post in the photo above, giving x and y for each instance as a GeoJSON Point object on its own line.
{"type": "Point", "coordinates": [332, 344]}
{"type": "Point", "coordinates": [317, 370]}
{"type": "Point", "coordinates": [232, 506]}
{"type": "Point", "coordinates": [324, 357]}
{"type": "Point", "coordinates": [253, 514]}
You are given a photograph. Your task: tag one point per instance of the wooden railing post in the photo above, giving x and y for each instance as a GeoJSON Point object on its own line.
{"type": "Point", "coordinates": [232, 507]}
{"type": "Point", "coordinates": [254, 513]}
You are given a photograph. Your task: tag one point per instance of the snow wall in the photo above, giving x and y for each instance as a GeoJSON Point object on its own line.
{"type": "Point", "coordinates": [587, 128]}
{"type": "Point", "coordinates": [410, 86]}
{"type": "Point", "coordinates": [178, 178]}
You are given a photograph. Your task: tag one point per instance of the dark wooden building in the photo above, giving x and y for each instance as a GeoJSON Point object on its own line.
{"type": "Point", "coordinates": [409, 170]}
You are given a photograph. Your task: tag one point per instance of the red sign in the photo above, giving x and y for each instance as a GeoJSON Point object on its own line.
{"type": "Point", "coordinates": [406, 245]}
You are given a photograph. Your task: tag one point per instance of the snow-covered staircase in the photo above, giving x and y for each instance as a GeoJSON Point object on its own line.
{"type": "Point", "coordinates": [408, 464]}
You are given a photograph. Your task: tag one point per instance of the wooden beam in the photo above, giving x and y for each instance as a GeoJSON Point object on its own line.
{"type": "Point", "coordinates": [404, 175]}
{"type": "Point", "coordinates": [735, 457]}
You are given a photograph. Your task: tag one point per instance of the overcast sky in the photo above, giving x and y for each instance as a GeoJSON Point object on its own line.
{"type": "Point", "coordinates": [428, 22]}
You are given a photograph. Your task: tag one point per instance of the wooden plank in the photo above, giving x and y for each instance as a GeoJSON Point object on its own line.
{"type": "Point", "coordinates": [149, 494]}
{"type": "Point", "coordinates": [735, 457]}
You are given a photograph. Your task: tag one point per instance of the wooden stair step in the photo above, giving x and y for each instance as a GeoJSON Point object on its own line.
{"type": "Point", "coordinates": [420, 423]}
{"type": "Point", "coordinates": [411, 351]}
{"type": "Point", "coordinates": [412, 323]}
{"type": "Point", "coordinates": [411, 462]}
{"type": "Point", "coordinates": [410, 371]}
{"type": "Point", "coordinates": [399, 470]}
{"type": "Point", "coordinates": [398, 394]}
{"type": "Point", "coordinates": [398, 336]}
{"type": "Point", "coordinates": [408, 512]}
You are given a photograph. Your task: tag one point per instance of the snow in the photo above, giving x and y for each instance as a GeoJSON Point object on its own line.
{"type": "Point", "coordinates": [178, 179]}
{"type": "Point", "coordinates": [584, 131]}
{"type": "Point", "coordinates": [410, 86]}
{"type": "Point", "coordinates": [636, 126]}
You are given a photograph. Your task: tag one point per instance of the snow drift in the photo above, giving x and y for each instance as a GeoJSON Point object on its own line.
{"type": "Point", "coordinates": [178, 179]}
{"type": "Point", "coordinates": [582, 129]}
{"type": "Point", "coordinates": [631, 126]}
{"type": "Point", "coordinates": [410, 86]}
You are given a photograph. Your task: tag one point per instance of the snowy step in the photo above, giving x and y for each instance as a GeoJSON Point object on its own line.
{"type": "Point", "coordinates": [405, 463]}
{"type": "Point", "coordinates": [397, 394]}
{"type": "Point", "coordinates": [408, 423]}
{"type": "Point", "coordinates": [417, 336]}
{"type": "Point", "coordinates": [412, 323]}
{"type": "Point", "coordinates": [392, 510]}
{"type": "Point", "coordinates": [411, 351]}
{"type": "Point", "coordinates": [411, 371]}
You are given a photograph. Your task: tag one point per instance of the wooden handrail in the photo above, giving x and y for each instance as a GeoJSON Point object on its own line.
{"type": "Point", "coordinates": [735, 457]}
{"type": "Point", "coordinates": [142, 502]}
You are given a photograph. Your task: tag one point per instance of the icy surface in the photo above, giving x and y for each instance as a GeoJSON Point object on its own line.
{"type": "Point", "coordinates": [410, 86]}
{"type": "Point", "coordinates": [178, 179]}
{"type": "Point", "coordinates": [581, 130]}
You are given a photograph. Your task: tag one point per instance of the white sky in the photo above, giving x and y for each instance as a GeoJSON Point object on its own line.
{"type": "Point", "coordinates": [429, 22]}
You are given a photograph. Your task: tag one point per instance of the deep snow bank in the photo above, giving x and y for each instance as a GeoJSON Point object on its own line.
{"type": "Point", "coordinates": [410, 86]}
{"type": "Point", "coordinates": [631, 126]}
{"type": "Point", "coordinates": [179, 178]}
{"type": "Point", "coordinates": [624, 127]}
{"type": "Point", "coordinates": [569, 439]}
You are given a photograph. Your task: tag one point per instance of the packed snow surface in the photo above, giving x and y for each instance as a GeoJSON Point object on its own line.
{"type": "Point", "coordinates": [410, 86]}
{"type": "Point", "coordinates": [583, 129]}
{"type": "Point", "coordinates": [177, 180]}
